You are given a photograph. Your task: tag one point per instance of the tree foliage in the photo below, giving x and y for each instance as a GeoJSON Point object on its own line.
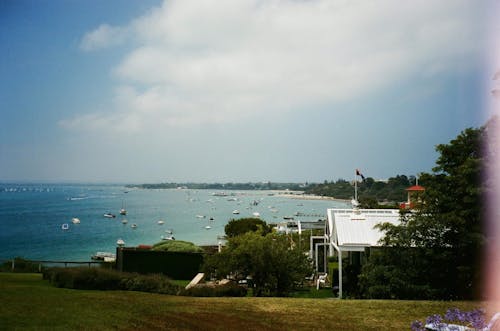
{"type": "Point", "coordinates": [236, 227]}
{"type": "Point", "coordinates": [369, 190]}
{"type": "Point", "coordinates": [273, 267]}
{"type": "Point", "coordinates": [435, 252]}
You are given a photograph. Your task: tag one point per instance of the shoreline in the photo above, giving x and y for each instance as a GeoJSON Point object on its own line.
{"type": "Point", "coordinates": [301, 196]}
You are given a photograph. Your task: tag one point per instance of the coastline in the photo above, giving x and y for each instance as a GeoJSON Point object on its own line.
{"type": "Point", "coordinates": [302, 196]}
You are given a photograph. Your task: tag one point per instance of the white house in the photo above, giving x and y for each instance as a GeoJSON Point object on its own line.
{"type": "Point", "coordinates": [353, 230]}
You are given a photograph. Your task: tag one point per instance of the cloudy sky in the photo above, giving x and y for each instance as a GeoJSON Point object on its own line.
{"type": "Point", "coordinates": [247, 90]}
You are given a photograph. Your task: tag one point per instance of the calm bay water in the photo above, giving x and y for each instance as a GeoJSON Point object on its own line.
{"type": "Point", "coordinates": [31, 216]}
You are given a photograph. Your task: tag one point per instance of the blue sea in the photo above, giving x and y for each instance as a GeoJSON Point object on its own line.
{"type": "Point", "coordinates": [32, 215]}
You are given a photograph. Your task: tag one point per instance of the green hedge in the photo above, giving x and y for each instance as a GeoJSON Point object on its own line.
{"type": "Point", "coordinates": [103, 279]}
{"type": "Point", "coordinates": [226, 290]}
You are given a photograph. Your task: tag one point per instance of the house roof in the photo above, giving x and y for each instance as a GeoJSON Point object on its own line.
{"type": "Point", "coordinates": [415, 188]}
{"type": "Point", "coordinates": [353, 230]}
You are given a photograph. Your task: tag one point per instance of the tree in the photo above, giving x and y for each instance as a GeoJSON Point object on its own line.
{"type": "Point", "coordinates": [436, 250]}
{"type": "Point", "coordinates": [236, 227]}
{"type": "Point", "coordinates": [272, 266]}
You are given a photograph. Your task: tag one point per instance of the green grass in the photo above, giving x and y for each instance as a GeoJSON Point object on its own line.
{"type": "Point", "coordinates": [30, 303]}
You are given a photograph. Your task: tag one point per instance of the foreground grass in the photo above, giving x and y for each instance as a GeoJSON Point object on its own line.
{"type": "Point", "coordinates": [27, 302]}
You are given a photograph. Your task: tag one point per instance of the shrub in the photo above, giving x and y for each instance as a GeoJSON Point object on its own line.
{"type": "Point", "coordinates": [177, 246]}
{"type": "Point", "coordinates": [20, 265]}
{"type": "Point", "coordinates": [104, 279]}
{"type": "Point", "coordinates": [226, 290]}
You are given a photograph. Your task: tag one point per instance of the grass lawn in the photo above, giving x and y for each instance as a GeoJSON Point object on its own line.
{"type": "Point", "coordinates": [27, 303]}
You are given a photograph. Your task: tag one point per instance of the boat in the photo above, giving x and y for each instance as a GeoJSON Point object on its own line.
{"type": "Point", "coordinates": [170, 237]}
{"type": "Point", "coordinates": [124, 221]}
{"type": "Point", "coordinates": [169, 231]}
{"type": "Point", "coordinates": [256, 214]}
{"type": "Point", "coordinates": [120, 242]}
{"type": "Point", "coordinates": [123, 211]}
{"type": "Point", "coordinates": [65, 226]}
{"type": "Point", "coordinates": [236, 211]}
{"type": "Point", "coordinates": [200, 216]}
{"type": "Point", "coordinates": [133, 226]}
{"type": "Point", "coordinates": [109, 215]}
{"type": "Point", "coordinates": [208, 227]}
{"type": "Point", "coordinates": [75, 220]}
{"type": "Point", "coordinates": [103, 256]}
{"type": "Point", "coordinates": [160, 222]}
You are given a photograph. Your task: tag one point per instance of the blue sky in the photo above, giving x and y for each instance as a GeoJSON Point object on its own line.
{"type": "Point", "coordinates": [220, 91]}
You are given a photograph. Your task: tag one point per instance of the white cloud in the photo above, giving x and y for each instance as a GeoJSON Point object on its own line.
{"type": "Point", "coordinates": [202, 61]}
{"type": "Point", "coordinates": [103, 37]}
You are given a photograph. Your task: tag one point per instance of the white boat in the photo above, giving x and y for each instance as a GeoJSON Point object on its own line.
{"type": "Point", "coordinates": [120, 242]}
{"type": "Point", "coordinates": [200, 216]}
{"type": "Point", "coordinates": [160, 222]}
{"type": "Point", "coordinates": [123, 211]}
{"type": "Point", "coordinates": [256, 214]}
{"type": "Point", "coordinates": [167, 237]}
{"type": "Point", "coordinates": [208, 227]}
{"type": "Point", "coordinates": [109, 215]}
{"type": "Point", "coordinates": [124, 221]}
{"type": "Point", "coordinates": [103, 256]}
{"type": "Point", "coordinates": [236, 212]}
{"type": "Point", "coordinates": [169, 231]}
{"type": "Point", "coordinates": [133, 226]}
{"type": "Point", "coordinates": [75, 220]}
{"type": "Point", "coordinates": [65, 226]}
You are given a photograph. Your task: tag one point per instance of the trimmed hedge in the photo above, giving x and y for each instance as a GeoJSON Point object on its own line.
{"type": "Point", "coordinates": [105, 279]}
{"type": "Point", "coordinates": [226, 290]}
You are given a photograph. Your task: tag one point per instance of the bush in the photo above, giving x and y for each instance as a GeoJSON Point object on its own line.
{"type": "Point", "coordinates": [226, 290]}
{"type": "Point", "coordinates": [103, 279]}
{"type": "Point", "coordinates": [177, 246]}
{"type": "Point", "coordinates": [20, 265]}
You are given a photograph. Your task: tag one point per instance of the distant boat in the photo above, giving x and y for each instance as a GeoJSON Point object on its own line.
{"type": "Point", "coordinates": [170, 237]}
{"type": "Point", "coordinates": [200, 216]}
{"type": "Point", "coordinates": [256, 214]}
{"type": "Point", "coordinates": [124, 221]}
{"type": "Point", "coordinates": [65, 226]}
{"type": "Point", "coordinates": [109, 215]}
{"type": "Point", "coordinates": [208, 227]}
{"type": "Point", "coordinates": [169, 231]}
{"type": "Point", "coordinates": [123, 211]}
{"type": "Point", "coordinates": [120, 242]}
{"type": "Point", "coordinates": [160, 222]}
{"type": "Point", "coordinates": [236, 212]}
{"type": "Point", "coordinates": [103, 256]}
{"type": "Point", "coordinates": [75, 221]}
{"type": "Point", "coordinates": [133, 226]}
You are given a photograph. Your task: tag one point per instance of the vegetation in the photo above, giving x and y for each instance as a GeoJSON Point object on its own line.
{"type": "Point", "coordinates": [370, 191]}
{"type": "Point", "coordinates": [272, 267]}
{"type": "Point", "coordinates": [85, 278]}
{"type": "Point", "coordinates": [436, 252]}
{"type": "Point", "coordinates": [236, 227]}
{"type": "Point", "coordinates": [51, 308]}
{"type": "Point", "coordinates": [225, 186]}
{"type": "Point", "coordinates": [177, 246]}
{"type": "Point", "coordinates": [227, 290]}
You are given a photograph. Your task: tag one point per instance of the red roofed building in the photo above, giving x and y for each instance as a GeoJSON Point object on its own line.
{"type": "Point", "coordinates": [414, 193]}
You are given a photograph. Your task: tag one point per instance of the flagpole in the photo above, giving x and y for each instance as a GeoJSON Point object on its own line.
{"type": "Point", "coordinates": [356, 185]}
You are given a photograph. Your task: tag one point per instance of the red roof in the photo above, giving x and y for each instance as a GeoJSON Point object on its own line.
{"type": "Point", "coordinates": [415, 188]}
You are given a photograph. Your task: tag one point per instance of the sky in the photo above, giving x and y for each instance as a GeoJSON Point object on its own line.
{"type": "Point", "coordinates": [237, 91]}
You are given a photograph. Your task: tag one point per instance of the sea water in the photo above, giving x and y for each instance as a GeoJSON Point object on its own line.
{"type": "Point", "coordinates": [32, 216]}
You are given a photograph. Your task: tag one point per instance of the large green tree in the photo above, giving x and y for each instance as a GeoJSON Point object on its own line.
{"type": "Point", "coordinates": [435, 251]}
{"type": "Point", "coordinates": [236, 227]}
{"type": "Point", "coordinates": [273, 266]}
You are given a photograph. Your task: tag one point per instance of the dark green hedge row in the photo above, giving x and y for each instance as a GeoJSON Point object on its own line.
{"type": "Point", "coordinates": [105, 279]}
{"type": "Point", "coordinates": [226, 290]}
